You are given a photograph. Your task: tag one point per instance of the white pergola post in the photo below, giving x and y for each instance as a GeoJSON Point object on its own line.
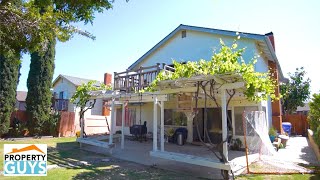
{"type": "Point", "coordinates": [112, 122]}
{"type": "Point", "coordinates": [224, 123]}
{"type": "Point", "coordinates": [162, 126]}
{"type": "Point", "coordinates": [122, 125]}
{"type": "Point", "coordinates": [155, 117]}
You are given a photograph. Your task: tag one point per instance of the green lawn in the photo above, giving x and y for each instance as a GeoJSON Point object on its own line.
{"type": "Point", "coordinates": [66, 153]}
{"type": "Point", "coordinates": [282, 177]}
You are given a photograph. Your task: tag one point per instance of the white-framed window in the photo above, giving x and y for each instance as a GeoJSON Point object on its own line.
{"type": "Point", "coordinates": [175, 118]}
{"type": "Point", "coordinates": [130, 117]}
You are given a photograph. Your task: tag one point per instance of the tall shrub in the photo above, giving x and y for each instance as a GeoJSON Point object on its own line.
{"type": "Point", "coordinates": [9, 75]}
{"type": "Point", "coordinates": [314, 117]}
{"type": "Point", "coordinates": [39, 83]}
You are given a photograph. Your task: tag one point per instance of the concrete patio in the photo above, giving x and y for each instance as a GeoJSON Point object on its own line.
{"type": "Point", "coordinates": [139, 152]}
{"type": "Point", "coordinates": [297, 151]}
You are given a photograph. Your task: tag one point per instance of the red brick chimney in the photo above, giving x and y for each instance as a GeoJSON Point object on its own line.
{"type": "Point", "coordinates": [271, 38]}
{"type": "Point", "coordinates": [107, 79]}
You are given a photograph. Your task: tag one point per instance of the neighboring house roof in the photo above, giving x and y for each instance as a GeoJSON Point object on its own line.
{"type": "Point", "coordinates": [21, 96]}
{"type": "Point", "coordinates": [264, 42]}
{"type": "Point", "coordinates": [304, 108]}
{"type": "Point", "coordinates": [75, 80]}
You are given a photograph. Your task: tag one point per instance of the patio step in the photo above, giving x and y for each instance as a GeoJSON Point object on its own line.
{"type": "Point", "coordinates": [190, 159]}
{"type": "Point", "coordinates": [95, 142]}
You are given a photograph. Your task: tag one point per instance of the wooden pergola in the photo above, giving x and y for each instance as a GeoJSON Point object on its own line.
{"type": "Point", "coordinates": [182, 85]}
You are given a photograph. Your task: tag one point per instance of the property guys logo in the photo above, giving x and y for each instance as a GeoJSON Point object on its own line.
{"type": "Point", "coordinates": [25, 160]}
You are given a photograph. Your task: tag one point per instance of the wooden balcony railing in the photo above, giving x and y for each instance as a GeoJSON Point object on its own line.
{"type": "Point", "coordinates": [60, 104]}
{"type": "Point", "coordinates": [133, 81]}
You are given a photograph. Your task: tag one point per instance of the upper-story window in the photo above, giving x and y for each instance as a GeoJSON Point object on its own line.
{"type": "Point", "coordinates": [183, 34]}
{"type": "Point", "coordinates": [61, 95]}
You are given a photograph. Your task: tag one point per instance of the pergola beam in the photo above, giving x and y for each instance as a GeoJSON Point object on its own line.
{"type": "Point", "coordinates": [235, 85]}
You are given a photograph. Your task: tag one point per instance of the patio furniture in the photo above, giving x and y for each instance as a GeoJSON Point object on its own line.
{"type": "Point", "coordinates": [139, 131]}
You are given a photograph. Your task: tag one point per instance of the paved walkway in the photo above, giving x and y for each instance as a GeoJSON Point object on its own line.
{"type": "Point", "coordinates": [298, 151]}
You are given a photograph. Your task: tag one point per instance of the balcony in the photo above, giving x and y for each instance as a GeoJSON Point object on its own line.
{"type": "Point", "coordinates": [134, 81]}
{"type": "Point", "coordinates": [60, 104]}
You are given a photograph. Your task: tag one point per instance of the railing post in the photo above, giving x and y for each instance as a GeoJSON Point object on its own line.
{"type": "Point", "coordinates": [140, 78]}
{"type": "Point", "coordinates": [127, 81]}
{"type": "Point", "coordinates": [158, 68]}
{"type": "Point", "coordinates": [116, 81]}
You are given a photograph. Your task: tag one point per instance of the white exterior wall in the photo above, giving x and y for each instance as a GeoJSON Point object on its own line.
{"type": "Point", "coordinates": [68, 90]}
{"type": "Point", "coordinates": [63, 85]}
{"type": "Point", "coordinates": [200, 45]}
{"type": "Point", "coordinates": [146, 115]}
{"type": "Point", "coordinates": [196, 46]}
{"type": "Point", "coordinates": [97, 110]}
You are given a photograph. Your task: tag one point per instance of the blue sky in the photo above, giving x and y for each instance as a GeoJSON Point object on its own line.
{"type": "Point", "coordinates": [127, 31]}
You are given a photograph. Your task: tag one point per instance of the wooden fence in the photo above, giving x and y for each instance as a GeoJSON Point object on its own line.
{"type": "Point", "coordinates": [22, 116]}
{"type": "Point", "coordinates": [298, 121]}
{"type": "Point", "coordinates": [66, 124]}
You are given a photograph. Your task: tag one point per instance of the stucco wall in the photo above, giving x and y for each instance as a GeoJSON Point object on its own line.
{"type": "Point", "coordinates": [147, 111]}
{"type": "Point", "coordinates": [146, 115]}
{"type": "Point", "coordinates": [65, 86]}
{"type": "Point", "coordinates": [200, 45]}
{"type": "Point", "coordinates": [69, 89]}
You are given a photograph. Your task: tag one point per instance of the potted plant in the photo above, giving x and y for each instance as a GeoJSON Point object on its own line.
{"type": "Point", "coordinates": [272, 134]}
{"type": "Point", "coordinates": [236, 144]}
{"type": "Point", "coordinates": [170, 134]}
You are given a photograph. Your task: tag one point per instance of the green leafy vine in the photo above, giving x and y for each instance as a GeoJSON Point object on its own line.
{"type": "Point", "coordinates": [259, 86]}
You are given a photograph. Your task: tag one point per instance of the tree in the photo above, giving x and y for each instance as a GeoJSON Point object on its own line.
{"type": "Point", "coordinates": [295, 92]}
{"type": "Point", "coordinates": [9, 75]}
{"type": "Point", "coordinates": [82, 98]}
{"type": "Point", "coordinates": [42, 60]}
{"type": "Point", "coordinates": [39, 83]}
{"type": "Point", "coordinates": [314, 117]}
{"type": "Point", "coordinates": [9, 70]}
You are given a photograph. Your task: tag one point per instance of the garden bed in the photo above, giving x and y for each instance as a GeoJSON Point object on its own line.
{"type": "Point", "coordinates": [313, 144]}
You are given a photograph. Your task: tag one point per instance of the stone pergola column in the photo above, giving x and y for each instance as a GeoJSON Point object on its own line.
{"type": "Point", "coordinates": [112, 122]}
{"type": "Point", "coordinates": [224, 123]}
{"type": "Point", "coordinates": [190, 116]}
{"type": "Point", "coordinates": [122, 124]}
